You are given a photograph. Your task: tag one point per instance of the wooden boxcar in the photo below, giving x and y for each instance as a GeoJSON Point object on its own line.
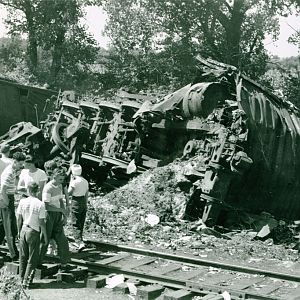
{"type": "Point", "coordinates": [23, 103]}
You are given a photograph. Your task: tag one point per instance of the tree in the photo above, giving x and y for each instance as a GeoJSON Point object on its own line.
{"type": "Point", "coordinates": [25, 24]}
{"type": "Point", "coordinates": [229, 31]}
{"type": "Point", "coordinates": [52, 26]}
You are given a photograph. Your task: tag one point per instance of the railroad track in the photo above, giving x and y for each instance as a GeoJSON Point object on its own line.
{"type": "Point", "coordinates": [205, 278]}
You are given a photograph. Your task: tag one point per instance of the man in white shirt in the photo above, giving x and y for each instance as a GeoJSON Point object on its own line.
{"type": "Point", "coordinates": [7, 202]}
{"type": "Point", "coordinates": [31, 220]}
{"type": "Point", "coordinates": [56, 217]}
{"type": "Point", "coordinates": [5, 160]}
{"type": "Point", "coordinates": [31, 173]}
{"type": "Point", "coordinates": [78, 189]}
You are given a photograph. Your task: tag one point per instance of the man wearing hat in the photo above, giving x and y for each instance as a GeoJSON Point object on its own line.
{"type": "Point", "coordinates": [7, 202]}
{"type": "Point", "coordinates": [31, 173]}
{"type": "Point", "coordinates": [78, 189]}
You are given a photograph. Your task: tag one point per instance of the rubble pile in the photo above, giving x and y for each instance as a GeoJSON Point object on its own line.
{"type": "Point", "coordinates": [157, 196]}
{"type": "Point", "coordinates": [150, 210]}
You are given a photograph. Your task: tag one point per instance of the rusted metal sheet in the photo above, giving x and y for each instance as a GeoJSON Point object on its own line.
{"type": "Point", "coordinates": [273, 182]}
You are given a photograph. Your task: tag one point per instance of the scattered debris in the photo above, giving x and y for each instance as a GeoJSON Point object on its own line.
{"type": "Point", "coordinates": [114, 280]}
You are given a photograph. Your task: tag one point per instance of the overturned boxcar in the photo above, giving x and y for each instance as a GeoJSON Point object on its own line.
{"type": "Point", "coordinates": [246, 138]}
{"type": "Point", "coordinates": [22, 103]}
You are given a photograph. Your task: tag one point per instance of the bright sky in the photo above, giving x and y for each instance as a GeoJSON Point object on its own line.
{"type": "Point", "coordinates": [282, 48]}
{"type": "Point", "coordinates": [95, 20]}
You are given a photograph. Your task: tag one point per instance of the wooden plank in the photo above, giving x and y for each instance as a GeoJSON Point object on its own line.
{"type": "Point", "coordinates": [112, 259]}
{"type": "Point", "coordinates": [188, 275]}
{"type": "Point", "coordinates": [86, 254]}
{"type": "Point", "coordinates": [245, 283]}
{"type": "Point", "coordinates": [210, 297]}
{"type": "Point", "coordinates": [168, 269]}
{"type": "Point", "coordinates": [137, 263]}
{"type": "Point", "coordinates": [266, 290]}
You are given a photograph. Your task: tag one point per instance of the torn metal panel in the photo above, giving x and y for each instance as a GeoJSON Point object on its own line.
{"type": "Point", "coordinates": [274, 147]}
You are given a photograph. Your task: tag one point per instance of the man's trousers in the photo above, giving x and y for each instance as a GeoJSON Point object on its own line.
{"type": "Point", "coordinates": [55, 230]}
{"type": "Point", "coordinates": [29, 246]}
{"type": "Point", "coordinates": [9, 221]}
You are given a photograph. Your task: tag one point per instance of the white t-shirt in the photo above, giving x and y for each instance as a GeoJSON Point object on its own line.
{"type": "Point", "coordinates": [26, 177]}
{"type": "Point", "coordinates": [32, 210]}
{"type": "Point", "coordinates": [4, 162]}
{"type": "Point", "coordinates": [80, 186]}
{"type": "Point", "coordinates": [52, 194]}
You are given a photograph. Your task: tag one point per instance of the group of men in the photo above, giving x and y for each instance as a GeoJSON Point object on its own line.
{"type": "Point", "coordinates": [42, 211]}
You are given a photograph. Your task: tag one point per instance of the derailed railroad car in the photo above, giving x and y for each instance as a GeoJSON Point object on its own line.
{"type": "Point", "coordinates": [246, 138]}
{"type": "Point", "coordinates": [22, 103]}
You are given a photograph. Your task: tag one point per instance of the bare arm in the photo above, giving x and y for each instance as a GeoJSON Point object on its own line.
{"type": "Point", "coordinates": [86, 196]}
{"type": "Point", "coordinates": [19, 223]}
{"type": "Point", "coordinates": [43, 230]}
{"type": "Point", "coordinates": [50, 207]}
{"type": "Point", "coordinates": [21, 186]}
{"type": "Point", "coordinates": [70, 190]}
{"type": "Point", "coordinates": [41, 184]}
{"type": "Point", "coordinates": [4, 196]}
{"type": "Point", "coordinates": [67, 196]}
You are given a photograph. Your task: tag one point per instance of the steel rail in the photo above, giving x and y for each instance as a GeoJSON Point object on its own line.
{"type": "Point", "coordinates": [195, 261]}
{"type": "Point", "coordinates": [199, 288]}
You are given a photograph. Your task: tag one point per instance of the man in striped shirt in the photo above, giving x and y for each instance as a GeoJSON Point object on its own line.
{"type": "Point", "coordinates": [7, 202]}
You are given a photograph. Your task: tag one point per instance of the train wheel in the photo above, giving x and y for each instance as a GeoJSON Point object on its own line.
{"type": "Point", "coordinates": [59, 137]}
{"type": "Point", "coordinates": [189, 148]}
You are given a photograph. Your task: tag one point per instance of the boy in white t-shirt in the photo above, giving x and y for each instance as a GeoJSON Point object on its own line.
{"type": "Point", "coordinates": [78, 189]}
{"type": "Point", "coordinates": [57, 212]}
{"type": "Point", "coordinates": [31, 220]}
{"type": "Point", "coordinates": [31, 173]}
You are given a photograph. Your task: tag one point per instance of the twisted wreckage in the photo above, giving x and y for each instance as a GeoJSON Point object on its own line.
{"type": "Point", "coordinates": [246, 140]}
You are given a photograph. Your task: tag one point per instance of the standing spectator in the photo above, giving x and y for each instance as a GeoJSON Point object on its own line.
{"type": "Point", "coordinates": [50, 166]}
{"type": "Point", "coordinates": [31, 219]}
{"type": "Point", "coordinates": [31, 173]}
{"type": "Point", "coordinates": [78, 189]}
{"type": "Point", "coordinates": [56, 216]}
{"type": "Point", "coordinates": [7, 202]}
{"type": "Point", "coordinates": [4, 162]}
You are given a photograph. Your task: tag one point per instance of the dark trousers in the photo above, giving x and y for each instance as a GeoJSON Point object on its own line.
{"type": "Point", "coordinates": [29, 253]}
{"type": "Point", "coordinates": [55, 230]}
{"type": "Point", "coordinates": [9, 222]}
{"type": "Point", "coordinates": [2, 232]}
{"type": "Point", "coordinates": [78, 211]}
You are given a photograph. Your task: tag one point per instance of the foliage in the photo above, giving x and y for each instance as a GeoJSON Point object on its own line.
{"type": "Point", "coordinates": [153, 43]}
{"type": "Point", "coordinates": [10, 286]}
{"type": "Point", "coordinates": [283, 76]}
{"type": "Point", "coordinates": [60, 51]}
{"type": "Point", "coordinates": [156, 41]}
